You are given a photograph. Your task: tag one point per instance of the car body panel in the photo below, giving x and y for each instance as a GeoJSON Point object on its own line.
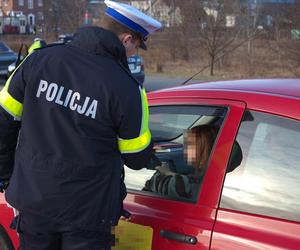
{"type": "Point", "coordinates": [242, 231]}
{"type": "Point", "coordinates": [255, 100]}
{"type": "Point", "coordinates": [284, 87]}
{"type": "Point", "coordinates": [6, 216]}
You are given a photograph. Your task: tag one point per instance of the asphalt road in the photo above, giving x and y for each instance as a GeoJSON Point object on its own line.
{"type": "Point", "coordinates": [161, 82]}
{"type": "Point", "coordinates": [151, 82]}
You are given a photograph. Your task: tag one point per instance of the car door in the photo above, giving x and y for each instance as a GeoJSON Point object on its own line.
{"type": "Point", "coordinates": [8, 236]}
{"type": "Point", "coordinates": [260, 206]}
{"type": "Point", "coordinates": [179, 223]}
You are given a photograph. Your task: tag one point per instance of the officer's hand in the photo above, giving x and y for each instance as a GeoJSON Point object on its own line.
{"type": "Point", "coordinates": [154, 161]}
{"type": "Point", "coordinates": [3, 185]}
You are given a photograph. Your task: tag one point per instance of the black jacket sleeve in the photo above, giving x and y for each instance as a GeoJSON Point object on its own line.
{"type": "Point", "coordinates": [131, 115]}
{"type": "Point", "coordinates": [11, 108]}
{"type": "Point", "coordinates": [138, 160]}
{"type": "Point", "coordinates": [9, 129]}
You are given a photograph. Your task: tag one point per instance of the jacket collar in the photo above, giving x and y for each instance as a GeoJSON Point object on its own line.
{"type": "Point", "coordinates": [99, 41]}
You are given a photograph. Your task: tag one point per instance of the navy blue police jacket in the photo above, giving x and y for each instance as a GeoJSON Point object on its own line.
{"type": "Point", "coordinates": [71, 116]}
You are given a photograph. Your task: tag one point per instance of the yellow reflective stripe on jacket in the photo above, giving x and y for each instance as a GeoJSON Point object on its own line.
{"type": "Point", "coordinates": [11, 105]}
{"type": "Point", "coordinates": [134, 145]}
{"type": "Point", "coordinates": [145, 110]}
{"type": "Point", "coordinates": [35, 45]}
{"type": "Point", "coordinates": [143, 140]}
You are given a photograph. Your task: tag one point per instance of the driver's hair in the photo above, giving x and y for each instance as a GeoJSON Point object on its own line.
{"type": "Point", "coordinates": [203, 138]}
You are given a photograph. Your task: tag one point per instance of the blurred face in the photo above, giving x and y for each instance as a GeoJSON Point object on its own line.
{"type": "Point", "coordinates": [130, 43]}
{"type": "Point", "coordinates": [191, 150]}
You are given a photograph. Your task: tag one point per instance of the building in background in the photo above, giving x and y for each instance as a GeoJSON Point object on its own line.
{"type": "Point", "coordinates": [168, 15]}
{"type": "Point", "coordinates": [95, 11]}
{"type": "Point", "coordinates": [27, 14]}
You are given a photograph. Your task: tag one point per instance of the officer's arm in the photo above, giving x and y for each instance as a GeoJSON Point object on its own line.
{"type": "Point", "coordinates": [134, 138]}
{"type": "Point", "coordinates": [9, 129]}
{"type": "Point", "coordinates": [11, 107]}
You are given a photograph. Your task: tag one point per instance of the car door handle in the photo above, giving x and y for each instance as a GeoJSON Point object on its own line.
{"type": "Point", "coordinates": [178, 237]}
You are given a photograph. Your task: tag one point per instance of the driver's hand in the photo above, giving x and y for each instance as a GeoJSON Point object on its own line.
{"type": "Point", "coordinates": [164, 169]}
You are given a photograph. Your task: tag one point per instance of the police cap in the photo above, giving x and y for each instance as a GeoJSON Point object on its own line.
{"type": "Point", "coordinates": [132, 18]}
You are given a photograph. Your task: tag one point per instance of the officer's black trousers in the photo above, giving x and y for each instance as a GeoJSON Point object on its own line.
{"type": "Point", "coordinates": [39, 233]}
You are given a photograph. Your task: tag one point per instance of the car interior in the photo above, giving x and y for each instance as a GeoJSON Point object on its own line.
{"type": "Point", "coordinates": [168, 127]}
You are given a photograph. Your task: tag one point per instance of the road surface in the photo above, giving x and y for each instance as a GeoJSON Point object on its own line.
{"type": "Point", "coordinates": [160, 82]}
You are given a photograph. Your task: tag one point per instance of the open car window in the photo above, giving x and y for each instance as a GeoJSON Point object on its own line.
{"type": "Point", "coordinates": [177, 178]}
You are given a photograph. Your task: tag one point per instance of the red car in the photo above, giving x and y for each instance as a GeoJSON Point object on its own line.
{"type": "Point", "coordinates": [243, 199]}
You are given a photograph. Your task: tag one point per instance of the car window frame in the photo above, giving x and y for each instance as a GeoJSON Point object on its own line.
{"type": "Point", "coordinates": [210, 191]}
{"type": "Point", "coordinates": [184, 200]}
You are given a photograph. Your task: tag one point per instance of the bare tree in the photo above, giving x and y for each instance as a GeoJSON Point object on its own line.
{"type": "Point", "coordinates": [63, 16]}
{"type": "Point", "coordinates": [208, 22]}
{"type": "Point", "coordinates": [213, 26]}
{"type": "Point", "coordinates": [287, 47]}
{"type": "Point", "coordinates": [250, 24]}
{"type": "Point", "coordinates": [216, 36]}
{"type": "Point", "coordinates": [293, 51]}
{"type": "Point", "coordinates": [52, 17]}
{"type": "Point", "coordinates": [73, 14]}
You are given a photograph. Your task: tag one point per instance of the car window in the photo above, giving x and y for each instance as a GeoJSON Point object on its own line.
{"type": "Point", "coordinates": [180, 175]}
{"type": "Point", "coordinates": [267, 181]}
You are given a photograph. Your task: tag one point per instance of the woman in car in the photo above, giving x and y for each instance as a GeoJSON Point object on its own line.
{"type": "Point", "coordinates": [198, 142]}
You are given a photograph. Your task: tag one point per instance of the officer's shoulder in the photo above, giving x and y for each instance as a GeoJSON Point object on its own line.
{"type": "Point", "coordinates": [50, 45]}
{"type": "Point", "coordinates": [131, 78]}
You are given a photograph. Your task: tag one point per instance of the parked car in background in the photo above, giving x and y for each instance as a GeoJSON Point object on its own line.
{"type": "Point", "coordinates": [252, 203]}
{"type": "Point", "coordinates": [135, 62]}
{"type": "Point", "coordinates": [7, 57]}
{"type": "Point", "coordinates": [136, 66]}
{"type": "Point", "coordinates": [65, 38]}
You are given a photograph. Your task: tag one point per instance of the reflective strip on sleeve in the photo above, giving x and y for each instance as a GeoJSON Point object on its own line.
{"type": "Point", "coordinates": [136, 145]}
{"type": "Point", "coordinates": [144, 126]}
{"type": "Point", "coordinates": [11, 105]}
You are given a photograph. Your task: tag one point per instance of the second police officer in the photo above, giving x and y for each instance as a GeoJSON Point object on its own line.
{"type": "Point", "coordinates": [80, 116]}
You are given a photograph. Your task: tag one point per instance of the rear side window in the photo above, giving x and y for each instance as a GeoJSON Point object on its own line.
{"type": "Point", "coordinates": [177, 132]}
{"type": "Point", "coordinates": [268, 180]}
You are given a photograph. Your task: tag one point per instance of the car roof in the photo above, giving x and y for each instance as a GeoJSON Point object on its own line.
{"type": "Point", "coordinates": [284, 87]}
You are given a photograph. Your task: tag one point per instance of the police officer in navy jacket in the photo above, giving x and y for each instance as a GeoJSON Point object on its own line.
{"type": "Point", "coordinates": [71, 116]}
